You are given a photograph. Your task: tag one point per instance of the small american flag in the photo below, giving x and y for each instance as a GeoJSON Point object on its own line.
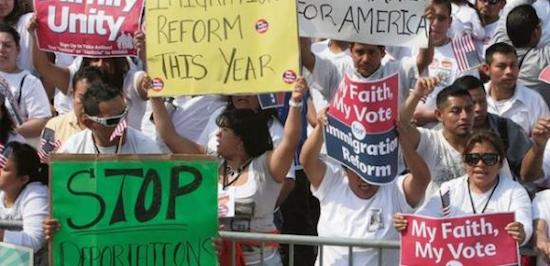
{"type": "Point", "coordinates": [465, 52]}
{"type": "Point", "coordinates": [4, 155]}
{"type": "Point", "coordinates": [445, 203]}
{"type": "Point", "coordinates": [48, 144]}
{"type": "Point", "coordinates": [119, 130]}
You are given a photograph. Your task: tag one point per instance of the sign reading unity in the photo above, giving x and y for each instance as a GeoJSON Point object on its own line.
{"type": "Point", "coordinates": [221, 47]}
{"type": "Point", "coordinates": [133, 210]}
{"type": "Point", "coordinates": [382, 22]}
{"type": "Point", "coordinates": [361, 128]}
{"type": "Point", "coordinates": [468, 240]}
{"type": "Point", "coordinates": [102, 28]}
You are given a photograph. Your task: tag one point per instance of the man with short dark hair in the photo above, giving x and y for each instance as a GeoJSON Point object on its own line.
{"type": "Point", "coordinates": [104, 108]}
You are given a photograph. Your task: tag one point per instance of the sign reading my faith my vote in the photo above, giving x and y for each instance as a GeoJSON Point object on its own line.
{"type": "Point", "coordinates": [134, 210]}
{"type": "Point", "coordinates": [466, 241]}
{"type": "Point", "coordinates": [381, 22]}
{"type": "Point", "coordinates": [221, 47]}
{"type": "Point", "coordinates": [361, 127]}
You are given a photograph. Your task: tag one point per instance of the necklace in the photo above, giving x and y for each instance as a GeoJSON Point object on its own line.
{"type": "Point", "coordinates": [97, 149]}
{"type": "Point", "coordinates": [233, 174]}
{"type": "Point", "coordinates": [489, 199]}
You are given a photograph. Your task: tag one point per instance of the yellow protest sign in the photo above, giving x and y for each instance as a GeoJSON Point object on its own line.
{"type": "Point", "coordinates": [221, 46]}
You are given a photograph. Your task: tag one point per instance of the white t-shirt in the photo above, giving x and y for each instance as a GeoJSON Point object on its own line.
{"type": "Point", "coordinates": [509, 196]}
{"type": "Point", "coordinates": [322, 50]}
{"type": "Point", "coordinates": [543, 11]}
{"type": "Point", "coordinates": [189, 118]}
{"type": "Point", "coordinates": [32, 99]}
{"type": "Point", "coordinates": [541, 210]}
{"type": "Point", "coordinates": [24, 60]}
{"type": "Point", "coordinates": [63, 103]}
{"type": "Point", "coordinates": [465, 19]}
{"type": "Point", "coordinates": [343, 214]}
{"type": "Point", "coordinates": [443, 160]}
{"type": "Point", "coordinates": [136, 143]}
{"type": "Point", "coordinates": [31, 206]}
{"type": "Point", "coordinates": [525, 107]}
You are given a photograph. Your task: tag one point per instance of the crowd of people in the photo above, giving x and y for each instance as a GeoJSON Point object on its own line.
{"type": "Point", "coordinates": [473, 141]}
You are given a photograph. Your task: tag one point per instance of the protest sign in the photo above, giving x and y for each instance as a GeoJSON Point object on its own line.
{"type": "Point", "coordinates": [467, 241]}
{"type": "Point", "coordinates": [133, 210]}
{"type": "Point", "coordinates": [221, 47]}
{"type": "Point", "coordinates": [545, 75]}
{"type": "Point", "coordinates": [271, 100]}
{"type": "Point", "coordinates": [379, 22]}
{"type": "Point", "coordinates": [361, 128]}
{"type": "Point", "coordinates": [102, 28]}
{"type": "Point", "coordinates": [16, 255]}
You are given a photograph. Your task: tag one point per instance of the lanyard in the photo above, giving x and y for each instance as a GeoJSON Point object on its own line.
{"type": "Point", "coordinates": [235, 174]}
{"type": "Point", "coordinates": [97, 149]}
{"type": "Point", "coordinates": [489, 199]}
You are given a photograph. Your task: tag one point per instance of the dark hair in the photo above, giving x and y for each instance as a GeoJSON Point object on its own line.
{"type": "Point", "coordinates": [4, 27]}
{"type": "Point", "coordinates": [27, 162]}
{"type": "Point", "coordinates": [120, 67]}
{"type": "Point", "coordinates": [446, 3]}
{"type": "Point", "coordinates": [450, 91]}
{"type": "Point", "coordinates": [98, 93]}
{"type": "Point", "coordinates": [468, 82]}
{"type": "Point", "coordinates": [20, 7]}
{"type": "Point", "coordinates": [6, 124]}
{"type": "Point", "coordinates": [250, 127]}
{"type": "Point", "coordinates": [500, 48]}
{"type": "Point", "coordinates": [269, 114]}
{"type": "Point", "coordinates": [486, 136]}
{"type": "Point", "coordinates": [91, 74]}
{"type": "Point", "coordinates": [381, 47]}
{"type": "Point", "coordinates": [520, 24]}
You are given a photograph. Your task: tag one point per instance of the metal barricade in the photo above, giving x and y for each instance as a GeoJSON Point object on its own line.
{"type": "Point", "coordinates": [293, 240]}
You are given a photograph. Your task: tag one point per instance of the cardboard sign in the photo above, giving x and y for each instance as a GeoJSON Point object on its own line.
{"type": "Point", "coordinates": [133, 210]}
{"type": "Point", "coordinates": [379, 22]}
{"type": "Point", "coordinates": [16, 255]}
{"type": "Point", "coordinates": [221, 47]}
{"type": "Point", "coordinates": [361, 128]}
{"type": "Point", "coordinates": [102, 28]}
{"type": "Point", "coordinates": [468, 241]}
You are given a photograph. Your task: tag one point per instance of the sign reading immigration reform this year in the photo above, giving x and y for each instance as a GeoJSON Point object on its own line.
{"type": "Point", "coordinates": [382, 22]}
{"type": "Point", "coordinates": [361, 128]}
{"type": "Point", "coordinates": [467, 241]}
{"type": "Point", "coordinates": [221, 47]}
{"type": "Point", "coordinates": [134, 210]}
{"type": "Point", "coordinates": [92, 28]}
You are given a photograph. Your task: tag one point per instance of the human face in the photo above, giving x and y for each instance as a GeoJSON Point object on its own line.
{"type": "Point", "coordinates": [503, 71]}
{"type": "Point", "coordinates": [10, 182]}
{"type": "Point", "coordinates": [360, 188]}
{"type": "Point", "coordinates": [479, 98]}
{"type": "Point", "coordinates": [105, 64]}
{"type": "Point", "coordinates": [6, 7]}
{"type": "Point", "coordinates": [249, 101]}
{"type": "Point", "coordinates": [489, 9]}
{"type": "Point", "coordinates": [8, 53]}
{"type": "Point", "coordinates": [80, 89]}
{"type": "Point", "coordinates": [457, 116]}
{"type": "Point", "coordinates": [366, 58]}
{"type": "Point", "coordinates": [440, 24]}
{"type": "Point", "coordinates": [110, 108]}
{"type": "Point", "coordinates": [228, 142]}
{"type": "Point", "coordinates": [482, 177]}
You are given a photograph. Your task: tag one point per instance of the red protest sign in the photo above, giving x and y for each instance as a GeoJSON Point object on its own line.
{"type": "Point", "coordinates": [467, 240]}
{"type": "Point", "coordinates": [102, 28]}
{"type": "Point", "coordinates": [545, 75]}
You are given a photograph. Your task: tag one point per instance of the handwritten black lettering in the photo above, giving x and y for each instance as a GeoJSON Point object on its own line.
{"type": "Point", "coordinates": [234, 66]}
{"type": "Point", "coordinates": [177, 191]}
{"type": "Point", "coordinates": [182, 66]}
{"type": "Point", "coordinates": [90, 174]}
{"type": "Point", "coordinates": [198, 31]}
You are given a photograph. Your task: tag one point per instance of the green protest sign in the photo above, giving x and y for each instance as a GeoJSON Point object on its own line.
{"type": "Point", "coordinates": [134, 210]}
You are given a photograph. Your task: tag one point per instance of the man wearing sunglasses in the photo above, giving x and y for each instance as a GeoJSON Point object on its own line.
{"type": "Point", "coordinates": [104, 108]}
{"type": "Point", "coordinates": [489, 11]}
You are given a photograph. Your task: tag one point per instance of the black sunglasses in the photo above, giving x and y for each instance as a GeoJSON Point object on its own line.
{"type": "Point", "coordinates": [488, 159]}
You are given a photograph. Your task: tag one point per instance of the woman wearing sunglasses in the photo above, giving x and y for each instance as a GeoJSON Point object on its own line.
{"type": "Point", "coordinates": [481, 190]}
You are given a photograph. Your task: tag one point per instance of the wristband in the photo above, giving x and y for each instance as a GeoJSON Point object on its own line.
{"type": "Point", "coordinates": [294, 104]}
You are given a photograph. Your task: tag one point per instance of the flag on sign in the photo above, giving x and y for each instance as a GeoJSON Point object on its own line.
{"type": "Point", "coordinates": [119, 130]}
{"type": "Point", "coordinates": [465, 52]}
{"type": "Point", "coordinates": [48, 144]}
{"type": "Point", "coordinates": [445, 203]}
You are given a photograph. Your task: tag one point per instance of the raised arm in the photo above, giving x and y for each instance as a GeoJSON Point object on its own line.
{"type": "Point", "coordinates": [279, 161]}
{"type": "Point", "coordinates": [531, 165]}
{"type": "Point", "coordinates": [54, 74]}
{"type": "Point", "coordinates": [308, 59]}
{"type": "Point", "coordinates": [409, 132]}
{"type": "Point", "coordinates": [418, 178]}
{"type": "Point", "coordinates": [314, 167]}
{"type": "Point", "coordinates": [425, 55]}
